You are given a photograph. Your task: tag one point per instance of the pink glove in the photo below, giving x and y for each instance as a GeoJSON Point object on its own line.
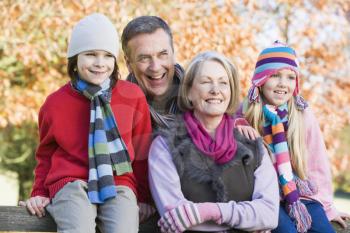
{"type": "Point", "coordinates": [209, 211]}
{"type": "Point", "coordinates": [187, 215]}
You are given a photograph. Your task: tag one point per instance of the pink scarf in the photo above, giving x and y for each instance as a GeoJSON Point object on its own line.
{"type": "Point", "coordinates": [221, 149]}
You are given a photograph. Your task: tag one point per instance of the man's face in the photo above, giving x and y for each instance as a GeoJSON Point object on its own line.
{"type": "Point", "coordinates": [151, 60]}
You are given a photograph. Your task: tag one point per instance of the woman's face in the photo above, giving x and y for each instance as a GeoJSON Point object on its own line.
{"type": "Point", "coordinates": [95, 66]}
{"type": "Point", "coordinates": [279, 88]}
{"type": "Point", "coordinates": [210, 92]}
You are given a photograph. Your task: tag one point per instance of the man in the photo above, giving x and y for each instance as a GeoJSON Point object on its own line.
{"type": "Point", "coordinates": [148, 48]}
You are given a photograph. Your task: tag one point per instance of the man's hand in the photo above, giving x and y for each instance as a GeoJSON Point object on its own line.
{"type": "Point", "coordinates": [36, 205]}
{"type": "Point", "coordinates": [145, 211]}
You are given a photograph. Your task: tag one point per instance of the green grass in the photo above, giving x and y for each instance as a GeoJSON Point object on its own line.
{"type": "Point", "coordinates": [342, 201]}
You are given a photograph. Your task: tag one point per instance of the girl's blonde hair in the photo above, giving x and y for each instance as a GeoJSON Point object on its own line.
{"type": "Point", "coordinates": [295, 136]}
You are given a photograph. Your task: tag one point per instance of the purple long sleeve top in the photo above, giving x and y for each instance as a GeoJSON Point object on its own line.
{"type": "Point", "coordinates": [246, 215]}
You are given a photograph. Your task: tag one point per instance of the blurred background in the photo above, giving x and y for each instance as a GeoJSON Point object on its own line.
{"type": "Point", "coordinates": [33, 44]}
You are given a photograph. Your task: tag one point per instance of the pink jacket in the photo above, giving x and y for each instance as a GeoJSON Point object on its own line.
{"type": "Point", "coordinates": [318, 167]}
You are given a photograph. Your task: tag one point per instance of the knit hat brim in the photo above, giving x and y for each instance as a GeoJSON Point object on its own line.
{"type": "Point", "coordinates": [94, 32]}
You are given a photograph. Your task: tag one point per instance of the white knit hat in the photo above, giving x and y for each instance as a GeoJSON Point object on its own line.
{"type": "Point", "coordinates": [94, 32]}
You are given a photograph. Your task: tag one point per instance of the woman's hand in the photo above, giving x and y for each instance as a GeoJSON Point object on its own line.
{"type": "Point", "coordinates": [341, 219]}
{"type": "Point", "coordinates": [248, 131]}
{"type": "Point", "coordinates": [145, 211]}
{"type": "Point", "coordinates": [36, 205]}
{"type": "Point", "coordinates": [180, 218]}
{"type": "Point", "coordinates": [186, 215]}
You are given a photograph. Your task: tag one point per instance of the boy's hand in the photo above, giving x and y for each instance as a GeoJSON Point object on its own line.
{"type": "Point", "coordinates": [36, 205]}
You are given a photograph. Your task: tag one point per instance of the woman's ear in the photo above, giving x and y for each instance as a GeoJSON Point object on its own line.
{"type": "Point", "coordinates": [189, 97]}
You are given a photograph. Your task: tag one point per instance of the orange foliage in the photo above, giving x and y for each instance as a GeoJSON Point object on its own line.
{"type": "Point", "coordinates": [34, 39]}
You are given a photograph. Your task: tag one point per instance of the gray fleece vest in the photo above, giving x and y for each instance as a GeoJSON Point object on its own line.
{"type": "Point", "coordinates": [202, 180]}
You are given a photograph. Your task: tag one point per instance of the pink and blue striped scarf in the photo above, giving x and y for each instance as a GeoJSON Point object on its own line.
{"type": "Point", "coordinates": [275, 128]}
{"type": "Point", "coordinates": [107, 150]}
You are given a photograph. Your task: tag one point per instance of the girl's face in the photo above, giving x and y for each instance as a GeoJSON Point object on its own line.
{"type": "Point", "coordinates": [95, 66]}
{"type": "Point", "coordinates": [279, 88]}
{"type": "Point", "coordinates": [210, 92]}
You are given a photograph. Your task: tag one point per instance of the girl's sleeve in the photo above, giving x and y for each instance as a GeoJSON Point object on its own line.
{"type": "Point", "coordinates": [141, 139]}
{"type": "Point", "coordinates": [164, 180]}
{"type": "Point", "coordinates": [47, 146]}
{"type": "Point", "coordinates": [262, 212]}
{"type": "Point", "coordinates": [318, 164]}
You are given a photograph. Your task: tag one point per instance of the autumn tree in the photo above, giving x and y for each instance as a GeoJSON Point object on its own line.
{"type": "Point", "coordinates": [34, 37]}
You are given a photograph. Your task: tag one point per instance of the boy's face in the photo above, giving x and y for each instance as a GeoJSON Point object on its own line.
{"type": "Point", "coordinates": [95, 66]}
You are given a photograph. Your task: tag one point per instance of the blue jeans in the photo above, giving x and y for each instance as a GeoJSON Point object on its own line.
{"type": "Point", "coordinates": [320, 223]}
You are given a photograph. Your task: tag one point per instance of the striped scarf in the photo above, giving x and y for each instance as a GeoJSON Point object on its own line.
{"type": "Point", "coordinates": [275, 128]}
{"type": "Point", "coordinates": [158, 119]}
{"type": "Point", "coordinates": [107, 151]}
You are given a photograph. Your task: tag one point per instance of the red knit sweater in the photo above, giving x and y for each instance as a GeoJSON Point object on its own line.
{"type": "Point", "coordinates": [62, 155]}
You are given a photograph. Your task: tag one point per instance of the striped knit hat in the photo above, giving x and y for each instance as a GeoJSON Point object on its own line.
{"type": "Point", "coordinates": [270, 61]}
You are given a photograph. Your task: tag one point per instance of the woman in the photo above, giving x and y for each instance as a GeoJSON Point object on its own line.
{"type": "Point", "coordinates": [204, 175]}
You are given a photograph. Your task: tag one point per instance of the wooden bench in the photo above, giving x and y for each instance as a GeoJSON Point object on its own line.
{"type": "Point", "coordinates": [15, 218]}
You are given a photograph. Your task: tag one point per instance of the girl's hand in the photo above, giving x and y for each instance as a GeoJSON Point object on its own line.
{"type": "Point", "coordinates": [341, 219]}
{"type": "Point", "coordinates": [248, 131]}
{"type": "Point", "coordinates": [36, 205]}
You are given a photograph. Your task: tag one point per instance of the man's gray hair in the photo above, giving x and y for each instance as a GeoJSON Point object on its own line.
{"type": "Point", "coordinates": [144, 25]}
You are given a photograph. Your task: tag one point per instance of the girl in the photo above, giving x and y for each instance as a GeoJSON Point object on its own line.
{"type": "Point", "coordinates": [88, 165]}
{"type": "Point", "coordinates": [275, 108]}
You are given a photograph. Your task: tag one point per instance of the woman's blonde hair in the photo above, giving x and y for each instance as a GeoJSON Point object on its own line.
{"type": "Point", "coordinates": [192, 72]}
{"type": "Point", "coordinates": [295, 136]}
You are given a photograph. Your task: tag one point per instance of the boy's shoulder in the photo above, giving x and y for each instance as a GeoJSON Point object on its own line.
{"type": "Point", "coordinates": [59, 93]}
{"type": "Point", "coordinates": [62, 96]}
